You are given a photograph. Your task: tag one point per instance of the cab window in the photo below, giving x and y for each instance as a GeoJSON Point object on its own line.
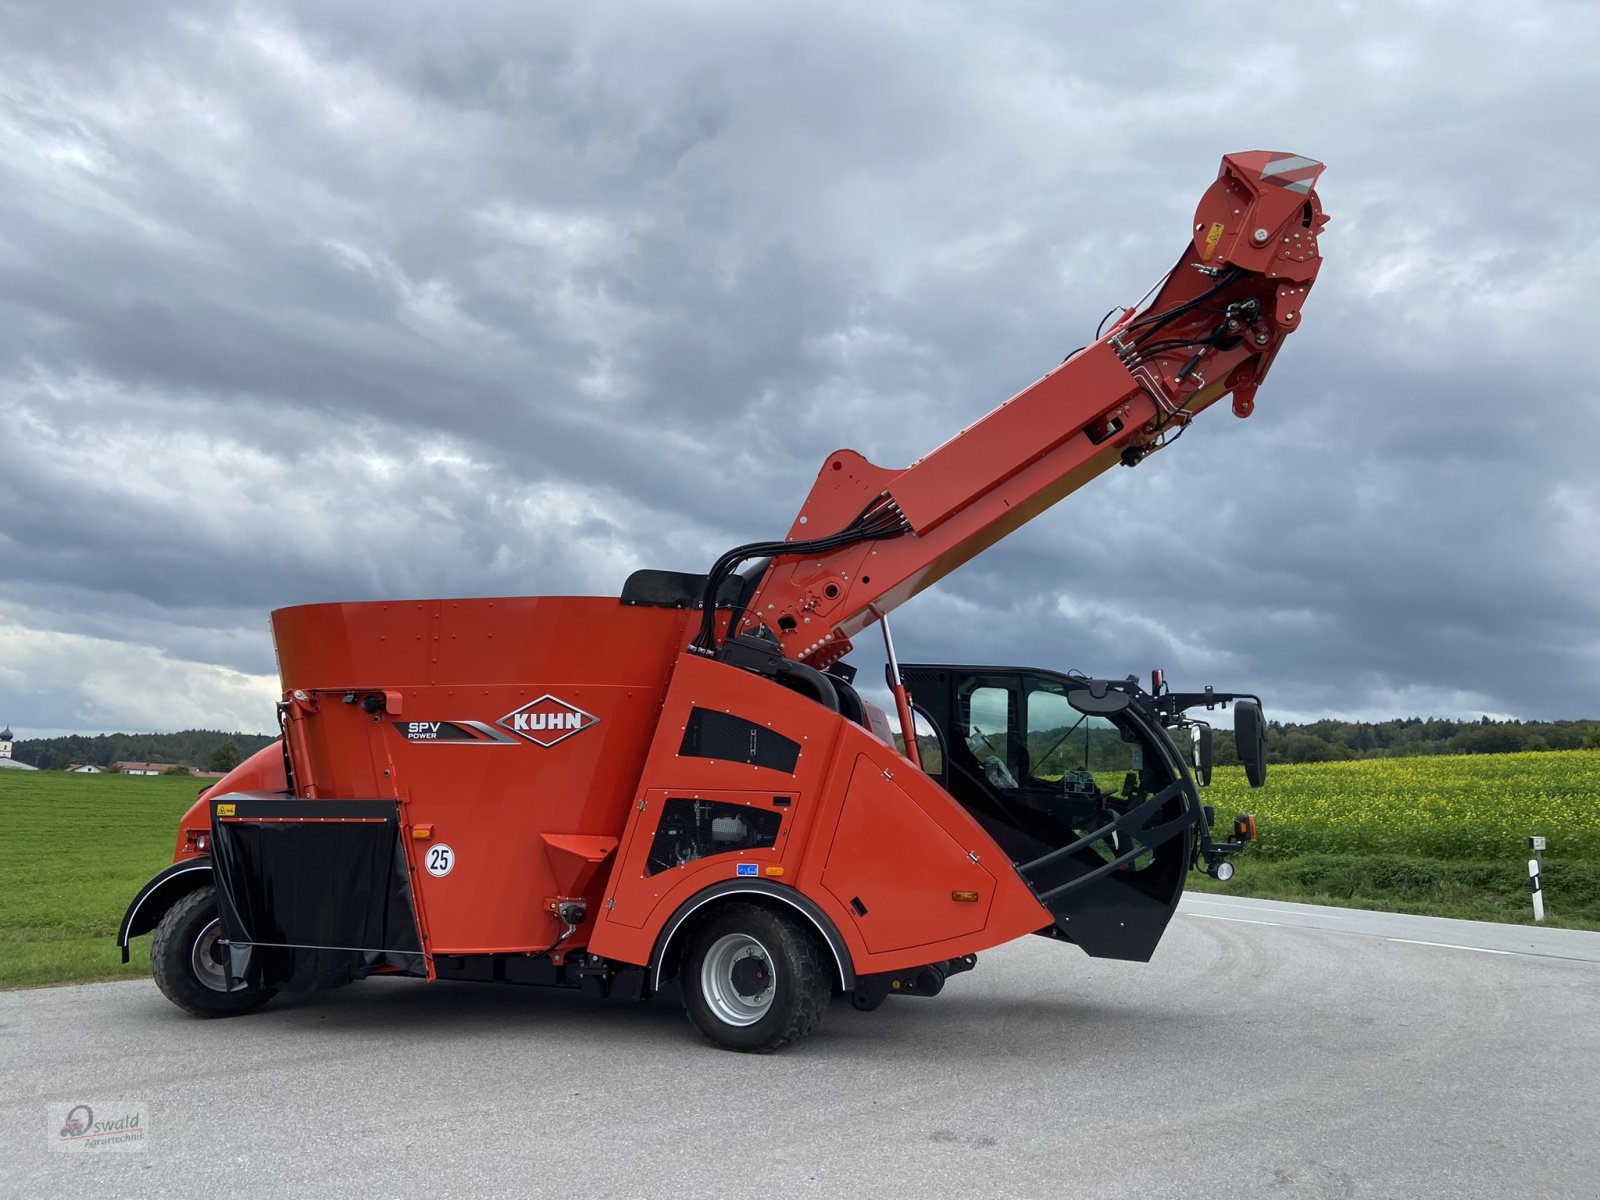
{"type": "Point", "coordinates": [930, 747]}
{"type": "Point", "coordinates": [1073, 752]}
{"type": "Point", "coordinates": [991, 734]}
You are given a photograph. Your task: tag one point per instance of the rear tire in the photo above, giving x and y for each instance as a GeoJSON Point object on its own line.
{"type": "Point", "coordinates": [184, 966]}
{"type": "Point", "coordinates": [754, 980]}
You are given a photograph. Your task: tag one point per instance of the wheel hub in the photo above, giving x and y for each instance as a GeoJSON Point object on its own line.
{"type": "Point", "coordinates": [205, 958]}
{"type": "Point", "coordinates": [737, 979]}
{"type": "Point", "coordinates": [751, 976]}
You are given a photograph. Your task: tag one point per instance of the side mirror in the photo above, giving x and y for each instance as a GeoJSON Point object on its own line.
{"type": "Point", "coordinates": [1203, 754]}
{"type": "Point", "coordinates": [1250, 736]}
{"type": "Point", "coordinates": [1098, 699]}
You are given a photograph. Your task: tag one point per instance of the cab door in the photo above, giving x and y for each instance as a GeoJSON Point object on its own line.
{"type": "Point", "coordinates": [1095, 810]}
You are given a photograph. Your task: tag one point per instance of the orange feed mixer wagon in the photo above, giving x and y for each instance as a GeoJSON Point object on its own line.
{"type": "Point", "coordinates": [681, 786]}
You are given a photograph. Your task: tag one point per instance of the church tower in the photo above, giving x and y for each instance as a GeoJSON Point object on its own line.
{"type": "Point", "coordinates": [5, 742]}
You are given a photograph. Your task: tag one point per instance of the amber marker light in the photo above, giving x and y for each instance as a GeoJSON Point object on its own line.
{"type": "Point", "coordinates": [774, 872]}
{"type": "Point", "coordinates": [422, 832]}
{"type": "Point", "coordinates": [964, 897]}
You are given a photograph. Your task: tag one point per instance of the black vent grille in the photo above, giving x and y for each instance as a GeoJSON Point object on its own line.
{"type": "Point", "coordinates": [711, 734]}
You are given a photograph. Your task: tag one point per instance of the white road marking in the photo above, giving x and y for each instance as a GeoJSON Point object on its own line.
{"type": "Point", "coordinates": [1449, 946]}
{"type": "Point", "coordinates": [1253, 907]}
{"type": "Point", "coordinates": [1235, 920]}
{"type": "Point", "coordinates": [1529, 941]}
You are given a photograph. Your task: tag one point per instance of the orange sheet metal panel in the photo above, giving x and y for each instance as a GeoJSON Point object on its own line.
{"type": "Point", "coordinates": [261, 772]}
{"type": "Point", "coordinates": [408, 643]}
{"type": "Point", "coordinates": [491, 766]}
{"type": "Point", "coordinates": [905, 859]}
{"type": "Point", "coordinates": [894, 868]}
{"type": "Point", "coordinates": [915, 851]}
{"type": "Point", "coordinates": [641, 903]}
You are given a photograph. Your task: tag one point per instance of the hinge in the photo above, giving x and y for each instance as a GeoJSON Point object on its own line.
{"type": "Point", "coordinates": [611, 903]}
{"type": "Point", "coordinates": [888, 774]}
{"type": "Point", "coordinates": [972, 855]}
{"type": "Point", "coordinates": [642, 804]}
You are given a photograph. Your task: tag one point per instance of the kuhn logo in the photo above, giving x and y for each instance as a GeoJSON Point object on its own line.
{"type": "Point", "coordinates": [546, 721]}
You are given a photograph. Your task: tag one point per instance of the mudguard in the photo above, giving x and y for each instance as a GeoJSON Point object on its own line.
{"type": "Point", "coordinates": [160, 894]}
{"type": "Point", "coordinates": [787, 897]}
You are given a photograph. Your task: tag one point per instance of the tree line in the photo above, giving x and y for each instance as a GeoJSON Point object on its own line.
{"type": "Point", "coordinates": [1332, 741]}
{"type": "Point", "coordinates": [1319, 741]}
{"type": "Point", "coordinates": [197, 749]}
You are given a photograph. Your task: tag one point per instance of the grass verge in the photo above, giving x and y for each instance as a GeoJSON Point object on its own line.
{"type": "Point", "coordinates": [1473, 891]}
{"type": "Point", "coordinates": [78, 848]}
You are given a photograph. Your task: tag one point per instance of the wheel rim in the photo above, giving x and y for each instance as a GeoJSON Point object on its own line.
{"type": "Point", "coordinates": [738, 980]}
{"type": "Point", "coordinates": [202, 961]}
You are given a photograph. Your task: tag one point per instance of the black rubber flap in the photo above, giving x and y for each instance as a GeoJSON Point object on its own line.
{"type": "Point", "coordinates": [311, 901]}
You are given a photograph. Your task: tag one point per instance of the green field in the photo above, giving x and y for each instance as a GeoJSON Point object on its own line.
{"type": "Point", "coordinates": [78, 847]}
{"type": "Point", "coordinates": [1439, 835]}
{"type": "Point", "coordinates": [1477, 807]}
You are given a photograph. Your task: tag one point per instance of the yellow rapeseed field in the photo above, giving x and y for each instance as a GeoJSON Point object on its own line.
{"type": "Point", "coordinates": [1476, 806]}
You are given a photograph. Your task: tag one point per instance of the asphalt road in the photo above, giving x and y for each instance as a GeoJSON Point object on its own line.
{"type": "Point", "coordinates": [1278, 1051]}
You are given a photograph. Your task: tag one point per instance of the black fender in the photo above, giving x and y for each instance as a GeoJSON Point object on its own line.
{"type": "Point", "coordinates": [785, 896]}
{"type": "Point", "coordinates": [160, 894]}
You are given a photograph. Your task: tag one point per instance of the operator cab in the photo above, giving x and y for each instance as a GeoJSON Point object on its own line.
{"type": "Point", "coordinates": [1080, 785]}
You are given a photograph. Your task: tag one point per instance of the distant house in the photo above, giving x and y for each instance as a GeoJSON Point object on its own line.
{"type": "Point", "coordinates": [86, 769]}
{"type": "Point", "coordinates": [139, 768]}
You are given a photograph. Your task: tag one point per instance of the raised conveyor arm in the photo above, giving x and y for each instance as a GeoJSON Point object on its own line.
{"type": "Point", "coordinates": [1212, 327]}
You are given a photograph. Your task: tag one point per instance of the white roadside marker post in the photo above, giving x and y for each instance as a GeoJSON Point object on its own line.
{"type": "Point", "coordinates": [1536, 844]}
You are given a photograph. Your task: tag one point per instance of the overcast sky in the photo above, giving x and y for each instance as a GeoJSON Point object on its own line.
{"type": "Point", "coordinates": [315, 301]}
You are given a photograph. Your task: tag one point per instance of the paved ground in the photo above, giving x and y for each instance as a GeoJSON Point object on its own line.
{"type": "Point", "coordinates": [1279, 1051]}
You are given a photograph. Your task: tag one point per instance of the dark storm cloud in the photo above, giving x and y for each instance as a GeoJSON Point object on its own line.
{"type": "Point", "coordinates": [311, 302]}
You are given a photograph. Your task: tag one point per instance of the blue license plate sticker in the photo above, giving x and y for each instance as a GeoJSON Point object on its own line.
{"type": "Point", "coordinates": [748, 869]}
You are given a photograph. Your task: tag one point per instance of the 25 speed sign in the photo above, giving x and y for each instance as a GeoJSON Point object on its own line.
{"type": "Point", "coordinates": [440, 860]}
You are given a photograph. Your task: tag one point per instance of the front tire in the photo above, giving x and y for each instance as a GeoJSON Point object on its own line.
{"type": "Point", "coordinates": [184, 964]}
{"type": "Point", "coordinates": [753, 979]}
